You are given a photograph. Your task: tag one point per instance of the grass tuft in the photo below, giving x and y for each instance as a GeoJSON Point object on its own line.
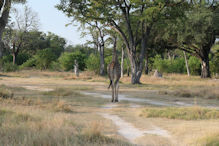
{"type": "Point", "coordinates": [188, 113]}
{"type": "Point", "coordinates": [61, 106]}
{"type": "Point", "coordinates": [211, 140]}
{"type": "Point", "coordinates": [5, 93]}
{"type": "Point", "coordinates": [62, 92]}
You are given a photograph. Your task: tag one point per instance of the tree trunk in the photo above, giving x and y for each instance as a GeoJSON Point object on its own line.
{"type": "Point", "coordinates": [4, 21]}
{"type": "Point", "coordinates": [76, 68]}
{"type": "Point", "coordinates": [136, 69]}
{"type": "Point", "coordinates": [128, 70]}
{"type": "Point", "coordinates": [146, 64]}
{"type": "Point", "coordinates": [14, 58]}
{"type": "Point", "coordinates": [186, 61]}
{"type": "Point", "coordinates": [102, 65]}
{"type": "Point", "coordinates": [205, 72]}
{"type": "Point", "coordinates": [122, 63]}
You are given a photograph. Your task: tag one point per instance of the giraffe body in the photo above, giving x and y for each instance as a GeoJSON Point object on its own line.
{"type": "Point", "coordinates": [114, 74]}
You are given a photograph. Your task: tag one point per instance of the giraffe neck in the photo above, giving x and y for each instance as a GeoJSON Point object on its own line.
{"type": "Point", "coordinates": [115, 58]}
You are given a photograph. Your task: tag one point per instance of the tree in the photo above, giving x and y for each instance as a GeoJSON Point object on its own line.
{"type": "Point", "coordinates": [137, 16]}
{"type": "Point", "coordinates": [5, 6]}
{"type": "Point", "coordinates": [19, 28]}
{"type": "Point", "coordinates": [196, 32]}
{"type": "Point", "coordinates": [98, 33]}
{"type": "Point", "coordinates": [56, 43]}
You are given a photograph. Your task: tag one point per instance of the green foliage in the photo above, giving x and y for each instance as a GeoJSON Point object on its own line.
{"type": "Point", "coordinates": [9, 67]}
{"type": "Point", "coordinates": [160, 64]}
{"type": "Point", "coordinates": [6, 59]}
{"type": "Point", "coordinates": [194, 65]}
{"type": "Point", "coordinates": [21, 58]}
{"type": "Point", "coordinates": [44, 58]}
{"type": "Point", "coordinates": [55, 66]}
{"type": "Point", "coordinates": [67, 60]}
{"type": "Point", "coordinates": [56, 43]}
{"type": "Point", "coordinates": [29, 63]}
{"type": "Point", "coordinates": [107, 61]}
{"type": "Point", "coordinates": [214, 63]}
{"type": "Point", "coordinates": [169, 66]}
{"type": "Point", "coordinates": [93, 63]}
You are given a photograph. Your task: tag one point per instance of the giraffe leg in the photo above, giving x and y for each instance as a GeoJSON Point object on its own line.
{"type": "Point", "coordinates": [113, 91]}
{"type": "Point", "coordinates": [117, 91]}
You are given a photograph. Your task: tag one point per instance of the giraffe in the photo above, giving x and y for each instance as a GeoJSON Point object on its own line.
{"type": "Point", "coordinates": [114, 73]}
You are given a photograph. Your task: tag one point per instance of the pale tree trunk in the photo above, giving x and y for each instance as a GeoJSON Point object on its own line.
{"type": "Point", "coordinates": [76, 68]}
{"type": "Point", "coordinates": [14, 58]}
{"type": "Point", "coordinates": [187, 65]}
{"type": "Point", "coordinates": [205, 72]}
{"type": "Point", "coordinates": [122, 63]}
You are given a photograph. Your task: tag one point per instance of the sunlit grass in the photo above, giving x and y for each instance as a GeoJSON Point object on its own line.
{"type": "Point", "coordinates": [187, 113]}
{"type": "Point", "coordinates": [210, 140]}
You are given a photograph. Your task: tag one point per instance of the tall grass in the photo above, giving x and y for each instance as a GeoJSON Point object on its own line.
{"type": "Point", "coordinates": [210, 140]}
{"type": "Point", "coordinates": [46, 129]}
{"type": "Point", "coordinates": [187, 113]}
{"type": "Point", "coordinates": [5, 92]}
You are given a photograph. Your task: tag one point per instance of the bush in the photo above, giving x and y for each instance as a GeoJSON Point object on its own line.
{"type": "Point", "coordinates": [55, 66]}
{"type": "Point", "coordinates": [29, 63]}
{"type": "Point", "coordinates": [9, 67]}
{"type": "Point", "coordinates": [169, 66]}
{"type": "Point", "coordinates": [176, 66]}
{"type": "Point", "coordinates": [44, 58]}
{"type": "Point", "coordinates": [160, 64]}
{"type": "Point", "coordinates": [21, 58]}
{"type": "Point", "coordinates": [194, 65]}
{"type": "Point", "coordinates": [67, 60]}
{"type": "Point", "coordinates": [93, 63]}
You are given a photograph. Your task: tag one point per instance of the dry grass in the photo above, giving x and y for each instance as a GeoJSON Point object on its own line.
{"type": "Point", "coordinates": [62, 92]}
{"type": "Point", "coordinates": [62, 106]}
{"type": "Point", "coordinates": [205, 92]}
{"type": "Point", "coordinates": [65, 117]}
{"type": "Point", "coordinates": [210, 140]}
{"type": "Point", "coordinates": [5, 93]}
{"type": "Point", "coordinates": [188, 113]}
{"type": "Point", "coordinates": [20, 125]}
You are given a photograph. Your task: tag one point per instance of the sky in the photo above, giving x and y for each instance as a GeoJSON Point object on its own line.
{"type": "Point", "coordinates": [52, 20]}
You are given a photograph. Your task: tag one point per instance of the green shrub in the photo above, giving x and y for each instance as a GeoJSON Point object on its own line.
{"type": "Point", "coordinates": [194, 65]}
{"type": "Point", "coordinates": [55, 66]}
{"type": "Point", "coordinates": [44, 58]}
{"type": "Point", "coordinates": [7, 59]}
{"type": "Point", "coordinates": [169, 66]}
{"type": "Point", "coordinates": [21, 58]}
{"type": "Point", "coordinates": [9, 67]}
{"type": "Point", "coordinates": [93, 63]}
{"type": "Point", "coordinates": [29, 63]}
{"type": "Point", "coordinates": [160, 64]}
{"type": "Point", "coordinates": [214, 68]}
{"type": "Point", "coordinates": [67, 60]}
{"type": "Point", "coordinates": [176, 66]}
